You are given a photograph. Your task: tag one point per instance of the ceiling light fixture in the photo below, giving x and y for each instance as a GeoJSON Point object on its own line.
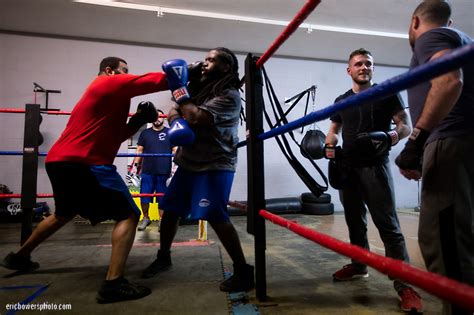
{"type": "Point", "coordinates": [238, 18]}
{"type": "Point", "coordinates": [160, 13]}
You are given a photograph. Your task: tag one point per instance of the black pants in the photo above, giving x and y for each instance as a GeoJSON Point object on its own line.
{"type": "Point", "coordinates": [371, 188]}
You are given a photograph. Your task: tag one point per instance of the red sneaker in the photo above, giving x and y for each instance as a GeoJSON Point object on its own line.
{"type": "Point", "coordinates": [350, 272]}
{"type": "Point", "coordinates": [410, 301]}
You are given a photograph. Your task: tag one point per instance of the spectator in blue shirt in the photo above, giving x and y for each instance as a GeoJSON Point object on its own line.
{"type": "Point", "coordinates": [154, 170]}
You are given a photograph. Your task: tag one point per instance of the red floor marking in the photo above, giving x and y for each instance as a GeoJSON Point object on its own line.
{"type": "Point", "coordinates": [190, 243]}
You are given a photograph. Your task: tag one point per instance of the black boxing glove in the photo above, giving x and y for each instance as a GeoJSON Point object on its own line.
{"type": "Point", "coordinates": [195, 71]}
{"type": "Point", "coordinates": [332, 152]}
{"type": "Point", "coordinates": [375, 143]}
{"type": "Point", "coordinates": [337, 174]}
{"type": "Point", "coordinates": [410, 158]}
{"type": "Point", "coordinates": [194, 78]}
{"type": "Point", "coordinates": [146, 113]}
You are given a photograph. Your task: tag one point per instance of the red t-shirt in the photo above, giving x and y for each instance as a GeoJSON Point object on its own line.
{"type": "Point", "coordinates": [98, 122]}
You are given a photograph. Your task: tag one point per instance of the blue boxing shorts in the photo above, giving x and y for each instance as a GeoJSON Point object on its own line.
{"type": "Point", "coordinates": [95, 192]}
{"type": "Point", "coordinates": [199, 195]}
{"type": "Point", "coordinates": [152, 184]}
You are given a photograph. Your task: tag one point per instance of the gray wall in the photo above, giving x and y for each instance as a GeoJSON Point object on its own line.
{"type": "Point", "coordinates": [69, 65]}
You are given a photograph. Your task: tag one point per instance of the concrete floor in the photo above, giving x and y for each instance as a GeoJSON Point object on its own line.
{"type": "Point", "coordinates": [74, 262]}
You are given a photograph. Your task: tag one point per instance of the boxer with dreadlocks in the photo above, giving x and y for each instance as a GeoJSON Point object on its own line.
{"type": "Point", "coordinates": [204, 124]}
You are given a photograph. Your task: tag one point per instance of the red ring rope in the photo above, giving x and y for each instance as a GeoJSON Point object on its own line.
{"type": "Point", "coordinates": [309, 6]}
{"type": "Point", "coordinates": [19, 111]}
{"type": "Point", "coordinates": [445, 288]}
{"type": "Point", "coordinates": [238, 205]}
{"type": "Point", "coordinates": [51, 112]}
{"type": "Point", "coordinates": [4, 196]}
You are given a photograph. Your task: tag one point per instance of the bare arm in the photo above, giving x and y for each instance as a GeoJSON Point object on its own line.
{"type": "Point", "coordinates": [138, 159]}
{"type": "Point", "coordinates": [443, 95]}
{"type": "Point", "coordinates": [173, 165]}
{"type": "Point", "coordinates": [192, 113]}
{"type": "Point", "coordinates": [332, 137]}
{"type": "Point", "coordinates": [173, 114]}
{"type": "Point", "coordinates": [401, 124]}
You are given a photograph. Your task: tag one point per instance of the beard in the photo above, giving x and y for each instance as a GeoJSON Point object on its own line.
{"type": "Point", "coordinates": [210, 77]}
{"type": "Point", "coordinates": [158, 124]}
{"type": "Point", "coordinates": [411, 40]}
{"type": "Point", "coordinates": [362, 80]}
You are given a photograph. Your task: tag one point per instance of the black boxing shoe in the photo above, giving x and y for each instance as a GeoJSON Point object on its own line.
{"type": "Point", "coordinates": [21, 263]}
{"type": "Point", "coordinates": [241, 280]}
{"type": "Point", "coordinates": [119, 290]}
{"type": "Point", "coordinates": [161, 263]}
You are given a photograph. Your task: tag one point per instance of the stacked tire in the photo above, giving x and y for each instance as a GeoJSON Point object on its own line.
{"type": "Point", "coordinates": [287, 205]}
{"type": "Point", "coordinates": [316, 205]}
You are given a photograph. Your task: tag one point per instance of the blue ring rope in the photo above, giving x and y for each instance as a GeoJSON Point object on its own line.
{"type": "Point", "coordinates": [448, 62]}
{"type": "Point", "coordinates": [29, 299]}
{"type": "Point", "coordinates": [18, 287]}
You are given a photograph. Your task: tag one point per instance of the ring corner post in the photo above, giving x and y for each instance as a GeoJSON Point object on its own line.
{"type": "Point", "coordinates": [255, 170]}
{"type": "Point", "coordinates": [30, 168]}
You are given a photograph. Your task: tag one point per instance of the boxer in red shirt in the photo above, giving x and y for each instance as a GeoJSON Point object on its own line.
{"type": "Point", "coordinates": [80, 167]}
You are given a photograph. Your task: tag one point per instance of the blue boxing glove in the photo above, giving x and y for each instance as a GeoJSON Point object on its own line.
{"type": "Point", "coordinates": [177, 75]}
{"type": "Point", "coordinates": [180, 133]}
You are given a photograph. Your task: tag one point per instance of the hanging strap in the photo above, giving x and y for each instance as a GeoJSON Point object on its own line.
{"type": "Point", "coordinates": [280, 117]}
{"type": "Point", "coordinates": [309, 91]}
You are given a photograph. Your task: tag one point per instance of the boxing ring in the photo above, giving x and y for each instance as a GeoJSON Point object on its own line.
{"type": "Point", "coordinates": [450, 290]}
{"type": "Point", "coordinates": [440, 286]}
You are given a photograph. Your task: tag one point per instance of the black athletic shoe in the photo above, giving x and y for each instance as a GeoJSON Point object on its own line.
{"type": "Point", "coordinates": [120, 290]}
{"type": "Point", "coordinates": [161, 263]}
{"type": "Point", "coordinates": [16, 262]}
{"type": "Point", "coordinates": [241, 280]}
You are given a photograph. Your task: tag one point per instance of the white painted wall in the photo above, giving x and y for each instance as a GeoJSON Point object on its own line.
{"type": "Point", "coordinates": [69, 65]}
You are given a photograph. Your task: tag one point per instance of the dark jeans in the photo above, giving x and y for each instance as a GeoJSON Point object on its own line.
{"type": "Point", "coordinates": [372, 187]}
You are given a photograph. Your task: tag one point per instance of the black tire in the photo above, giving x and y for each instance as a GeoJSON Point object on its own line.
{"type": "Point", "coordinates": [283, 205]}
{"type": "Point", "coordinates": [233, 211]}
{"type": "Point", "coordinates": [318, 208]}
{"type": "Point", "coordinates": [311, 198]}
{"type": "Point", "coordinates": [287, 205]}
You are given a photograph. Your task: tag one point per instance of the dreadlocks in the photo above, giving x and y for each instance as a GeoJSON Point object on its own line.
{"type": "Point", "coordinates": [217, 86]}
